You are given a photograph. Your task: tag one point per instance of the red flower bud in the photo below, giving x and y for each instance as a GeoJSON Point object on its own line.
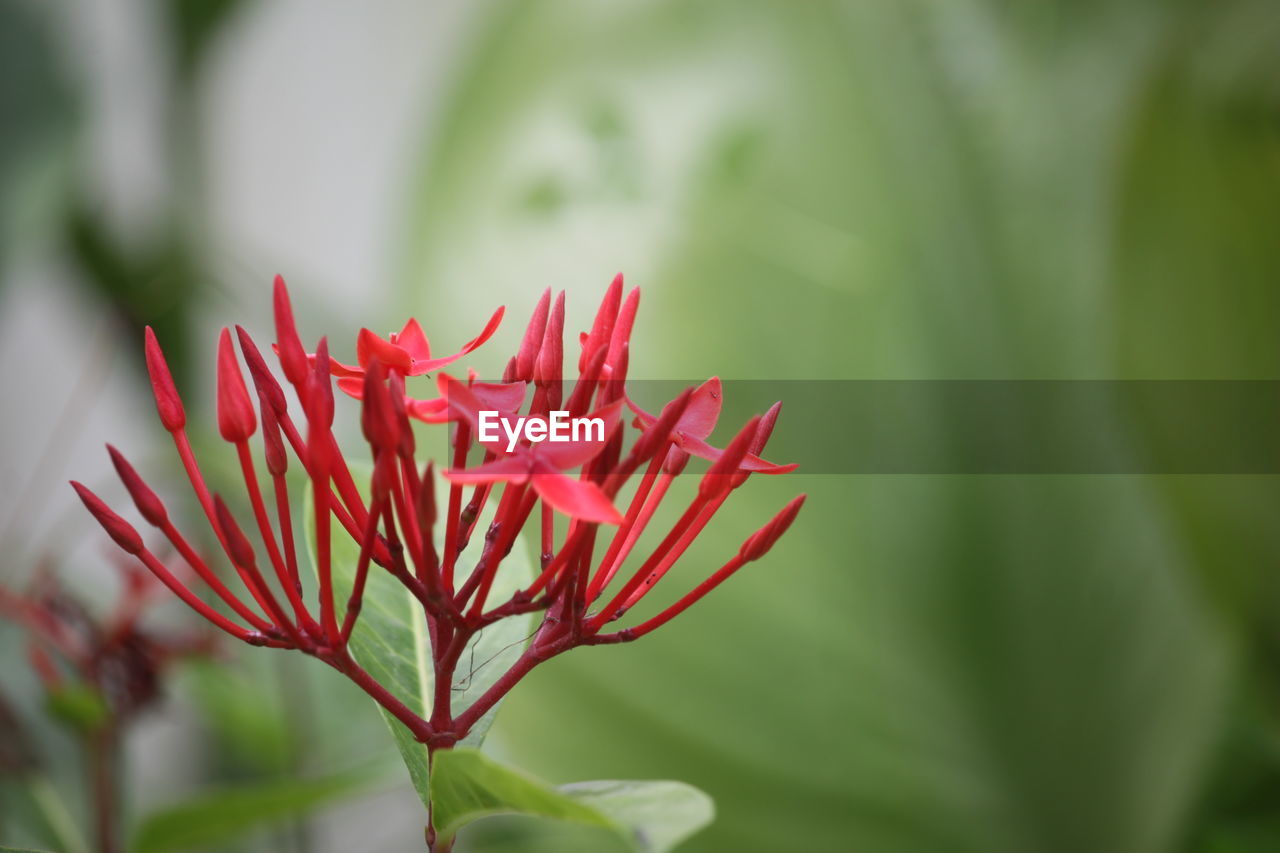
{"type": "Point", "coordinates": [319, 395]}
{"type": "Point", "coordinates": [237, 543]}
{"type": "Point", "coordinates": [267, 386]}
{"type": "Point", "coordinates": [404, 428]}
{"type": "Point", "coordinates": [763, 431]}
{"type": "Point", "coordinates": [586, 385]}
{"type": "Point", "coordinates": [236, 419]}
{"type": "Point", "coordinates": [622, 327]}
{"type": "Point", "coordinates": [655, 438]}
{"type": "Point", "coordinates": [532, 340]}
{"type": "Point", "coordinates": [376, 417]}
{"type": "Point", "coordinates": [168, 403]}
{"type": "Point", "coordinates": [759, 543]}
{"type": "Point", "coordinates": [675, 462]}
{"type": "Point", "coordinates": [293, 358]}
{"type": "Point", "coordinates": [273, 441]}
{"type": "Point", "coordinates": [117, 528]}
{"type": "Point", "coordinates": [602, 328]}
{"type": "Point", "coordinates": [148, 503]}
{"type": "Point", "coordinates": [550, 365]}
{"type": "Point", "coordinates": [426, 499]}
{"type": "Point", "coordinates": [720, 476]}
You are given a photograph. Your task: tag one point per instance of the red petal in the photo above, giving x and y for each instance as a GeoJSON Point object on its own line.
{"type": "Point", "coordinates": [511, 469]}
{"type": "Point", "coordinates": [750, 462]}
{"type": "Point", "coordinates": [562, 455]}
{"type": "Point", "coordinates": [575, 498]}
{"type": "Point", "coordinates": [502, 396]}
{"type": "Point", "coordinates": [700, 416]}
{"type": "Point", "coordinates": [421, 367]}
{"type": "Point", "coordinates": [460, 400]}
{"type": "Point", "coordinates": [352, 386]}
{"type": "Point", "coordinates": [414, 341]}
{"type": "Point", "coordinates": [433, 411]}
{"type": "Point", "coordinates": [343, 371]}
{"type": "Point", "coordinates": [369, 346]}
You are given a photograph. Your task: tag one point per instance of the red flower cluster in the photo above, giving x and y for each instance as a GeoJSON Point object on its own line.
{"type": "Point", "coordinates": [119, 660]}
{"type": "Point", "coordinates": [396, 527]}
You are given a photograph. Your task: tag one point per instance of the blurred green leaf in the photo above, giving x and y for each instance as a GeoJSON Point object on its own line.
{"type": "Point", "coordinates": [926, 189]}
{"type": "Point", "coordinates": [651, 817]}
{"type": "Point", "coordinates": [250, 725]}
{"type": "Point", "coordinates": [20, 850]}
{"type": "Point", "coordinates": [78, 706]}
{"type": "Point", "coordinates": [196, 25]}
{"type": "Point", "coordinates": [390, 640]}
{"type": "Point", "coordinates": [226, 815]}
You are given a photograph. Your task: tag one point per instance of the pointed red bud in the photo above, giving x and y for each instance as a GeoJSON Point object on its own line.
{"type": "Point", "coordinates": [622, 328]}
{"type": "Point", "coordinates": [236, 419]}
{"type": "Point", "coordinates": [509, 372]}
{"type": "Point", "coordinates": [532, 340]}
{"type": "Point", "coordinates": [168, 403]}
{"type": "Point", "coordinates": [237, 543]}
{"type": "Point", "coordinates": [293, 358]}
{"type": "Point", "coordinates": [404, 428]}
{"type": "Point", "coordinates": [619, 374]}
{"type": "Point", "coordinates": [759, 543]}
{"type": "Point", "coordinates": [763, 431]}
{"type": "Point", "coordinates": [267, 386]}
{"type": "Point", "coordinates": [586, 385]}
{"type": "Point", "coordinates": [319, 402]}
{"type": "Point", "coordinates": [117, 528]}
{"type": "Point", "coordinates": [384, 474]}
{"type": "Point", "coordinates": [550, 365]}
{"type": "Point", "coordinates": [675, 462]}
{"type": "Point", "coordinates": [148, 503]}
{"type": "Point", "coordinates": [655, 438]}
{"type": "Point", "coordinates": [273, 442]}
{"type": "Point", "coordinates": [602, 328]}
{"type": "Point", "coordinates": [376, 417]}
{"type": "Point", "coordinates": [720, 476]}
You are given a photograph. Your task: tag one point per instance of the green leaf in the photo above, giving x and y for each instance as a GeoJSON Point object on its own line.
{"type": "Point", "coordinates": [657, 815]}
{"type": "Point", "coordinates": [20, 850]}
{"type": "Point", "coordinates": [650, 817]}
{"type": "Point", "coordinates": [225, 815]}
{"type": "Point", "coordinates": [390, 640]}
{"type": "Point", "coordinates": [78, 706]}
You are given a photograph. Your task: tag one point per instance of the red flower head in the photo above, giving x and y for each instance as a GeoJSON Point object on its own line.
{"type": "Point", "coordinates": [397, 523]}
{"type": "Point", "coordinates": [113, 655]}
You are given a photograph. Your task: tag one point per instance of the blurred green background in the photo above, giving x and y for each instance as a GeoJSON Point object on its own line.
{"type": "Point", "coordinates": [905, 189]}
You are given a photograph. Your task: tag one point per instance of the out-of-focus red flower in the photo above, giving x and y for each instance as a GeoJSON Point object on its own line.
{"type": "Point", "coordinates": [114, 655]}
